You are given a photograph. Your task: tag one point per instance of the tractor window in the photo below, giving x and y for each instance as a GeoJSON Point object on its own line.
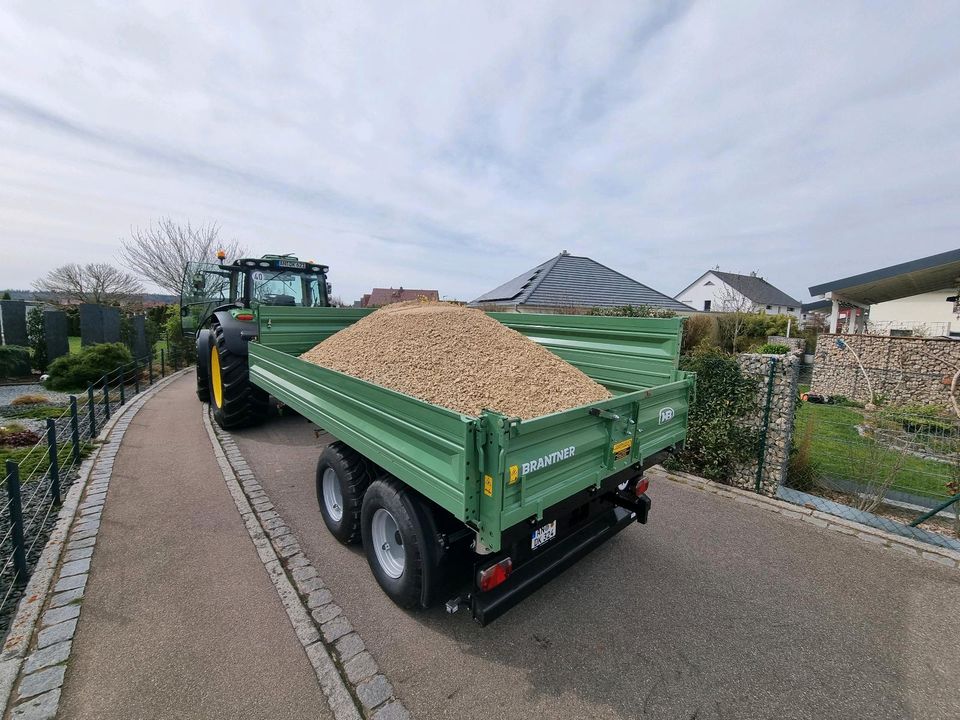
{"type": "Point", "coordinates": [205, 287]}
{"type": "Point", "coordinates": [286, 288]}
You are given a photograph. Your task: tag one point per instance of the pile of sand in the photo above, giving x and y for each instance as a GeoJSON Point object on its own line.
{"type": "Point", "coordinates": [458, 358]}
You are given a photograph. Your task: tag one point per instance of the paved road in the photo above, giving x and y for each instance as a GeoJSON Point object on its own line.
{"type": "Point", "coordinates": [180, 619]}
{"type": "Point", "coordinates": [713, 610]}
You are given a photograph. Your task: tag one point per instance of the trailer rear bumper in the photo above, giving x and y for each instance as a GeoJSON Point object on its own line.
{"type": "Point", "coordinates": [546, 565]}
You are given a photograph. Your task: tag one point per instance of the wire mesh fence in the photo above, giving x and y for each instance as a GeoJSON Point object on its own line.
{"type": "Point", "coordinates": [894, 467]}
{"type": "Point", "coordinates": [37, 476]}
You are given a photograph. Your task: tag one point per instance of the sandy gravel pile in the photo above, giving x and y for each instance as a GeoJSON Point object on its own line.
{"type": "Point", "coordinates": [458, 358]}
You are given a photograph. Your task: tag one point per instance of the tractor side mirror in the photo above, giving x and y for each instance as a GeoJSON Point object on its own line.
{"type": "Point", "coordinates": [199, 281]}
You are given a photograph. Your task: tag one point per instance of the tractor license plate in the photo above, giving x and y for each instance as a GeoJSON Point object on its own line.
{"type": "Point", "coordinates": [543, 535]}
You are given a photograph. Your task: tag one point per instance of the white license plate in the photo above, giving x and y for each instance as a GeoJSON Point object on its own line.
{"type": "Point", "coordinates": [543, 535]}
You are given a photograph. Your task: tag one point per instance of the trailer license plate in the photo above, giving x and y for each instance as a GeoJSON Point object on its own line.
{"type": "Point", "coordinates": [543, 535]}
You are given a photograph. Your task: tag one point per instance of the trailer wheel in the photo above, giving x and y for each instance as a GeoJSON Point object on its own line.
{"type": "Point", "coordinates": [395, 541]}
{"type": "Point", "coordinates": [235, 401]}
{"type": "Point", "coordinates": [342, 479]}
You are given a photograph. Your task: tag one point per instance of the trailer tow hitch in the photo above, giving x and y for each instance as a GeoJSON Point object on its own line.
{"type": "Point", "coordinates": [640, 506]}
{"type": "Point", "coordinates": [454, 603]}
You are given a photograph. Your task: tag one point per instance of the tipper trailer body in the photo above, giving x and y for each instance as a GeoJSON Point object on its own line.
{"type": "Point", "coordinates": [527, 497]}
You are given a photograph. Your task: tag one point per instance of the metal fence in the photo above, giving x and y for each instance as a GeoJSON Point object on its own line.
{"type": "Point", "coordinates": [896, 468]}
{"type": "Point", "coordinates": [36, 477]}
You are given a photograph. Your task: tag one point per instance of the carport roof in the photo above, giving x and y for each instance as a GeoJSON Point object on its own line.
{"type": "Point", "coordinates": [935, 272]}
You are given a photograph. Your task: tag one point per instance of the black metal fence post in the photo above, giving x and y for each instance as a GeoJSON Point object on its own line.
{"type": "Point", "coordinates": [163, 370]}
{"type": "Point", "coordinates": [106, 397]}
{"type": "Point", "coordinates": [75, 428]}
{"type": "Point", "coordinates": [93, 412]}
{"type": "Point", "coordinates": [16, 523]}
{"type": "Point", "coordinates": [150, 369]}
{"type": "Point", "coordinates": [136, 377]}
{"type": "Point", "coordinates": [54, 460]}
{"type": "Point", "coordinates": [123, 382]}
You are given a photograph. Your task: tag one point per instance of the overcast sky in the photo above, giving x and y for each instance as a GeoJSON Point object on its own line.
{"type": "Point", "coordinates": [454, 145]}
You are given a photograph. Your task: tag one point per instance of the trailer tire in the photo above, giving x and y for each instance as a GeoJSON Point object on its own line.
{"type": "Point", "coordinates": [235, 401]}
{"type": "Point", "coordinates": [392, 520]}
{"type": "Point", "coordinates": [342, 479]}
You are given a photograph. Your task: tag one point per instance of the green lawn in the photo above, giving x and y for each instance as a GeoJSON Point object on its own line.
{"type": "Point", "coordinates": [837, 450]}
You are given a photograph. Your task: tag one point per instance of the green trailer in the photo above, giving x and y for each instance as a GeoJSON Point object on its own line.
{"type": "Point", "coordinates": [483, 509]}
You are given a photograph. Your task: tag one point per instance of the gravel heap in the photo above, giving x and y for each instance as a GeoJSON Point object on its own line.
{"type": "Point", "coordinates": [458, 358]}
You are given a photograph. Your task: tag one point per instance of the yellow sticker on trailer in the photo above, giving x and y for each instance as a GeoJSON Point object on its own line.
{"type": "Point", "coordinates": [488, 486]}
{"type": "Point", "coordinates": [514, 473]}
{"type": "Point", "coordinates": [622, 449]}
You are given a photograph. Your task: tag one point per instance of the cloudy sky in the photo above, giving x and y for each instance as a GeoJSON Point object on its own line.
{"type": "Point", "coordinates": [454, 145]}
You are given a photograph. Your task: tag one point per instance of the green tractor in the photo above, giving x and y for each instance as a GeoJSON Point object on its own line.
{"type": "Point", "coordinates": [218, 305]}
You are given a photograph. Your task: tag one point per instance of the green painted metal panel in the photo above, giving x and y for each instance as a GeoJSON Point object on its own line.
{"type": "Point", "coordinates": [427, 446]}
{"type": "Point", "coordinates": [475, 467]}
{"type": "Point", "coordinates": [620, 353]}
{"type": "Point", "coordinates": [295, 330]}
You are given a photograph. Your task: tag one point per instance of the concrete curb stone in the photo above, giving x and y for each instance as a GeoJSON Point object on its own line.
{"type": "Point", "coordinates": [347, 672]}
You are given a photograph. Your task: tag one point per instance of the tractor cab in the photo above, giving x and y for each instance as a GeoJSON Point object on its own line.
{"type": "Point", "coordinates": [248, 283]}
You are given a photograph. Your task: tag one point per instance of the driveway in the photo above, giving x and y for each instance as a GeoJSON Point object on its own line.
{"type": "Point", "coordinates": [712, 610]}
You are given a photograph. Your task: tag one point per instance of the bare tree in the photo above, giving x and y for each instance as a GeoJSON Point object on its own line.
{"type": "Point", "coordinates": [161, 251]}
{"type": "Point", "coordinates": [737, 306]}
{"type": "Point", "coordinates": [90, 283]}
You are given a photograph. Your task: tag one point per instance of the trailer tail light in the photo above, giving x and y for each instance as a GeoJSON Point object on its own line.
{"type": "Point", "coordinates": [495, 574]}
{"type": "Point", "coordinates": [244, 316]}
{"type": "Point", "coordinates": [642, 486]}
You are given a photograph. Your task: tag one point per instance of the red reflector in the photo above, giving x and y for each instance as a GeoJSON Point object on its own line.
{"type": "Point", "coordinates": [244, 316]}
{"type": "Point", "coordinates": [495, 574]}
{"type": "Point", "coordinates": [642, 486]}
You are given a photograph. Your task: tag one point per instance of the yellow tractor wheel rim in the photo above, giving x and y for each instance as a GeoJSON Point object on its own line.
{"type": "Point", "coordinates": [215, 382]}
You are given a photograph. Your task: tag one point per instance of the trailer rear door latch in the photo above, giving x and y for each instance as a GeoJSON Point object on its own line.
{"type": "Point", "coordinates": [605, 414]}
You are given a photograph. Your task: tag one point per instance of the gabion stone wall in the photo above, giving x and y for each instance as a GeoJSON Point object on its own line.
{"type": "Point", "coordinates": [786, 371]}
{"type": "Point", "coordinates": [902, 370]}
{"type": "Point", "coordinates": [794, 343]}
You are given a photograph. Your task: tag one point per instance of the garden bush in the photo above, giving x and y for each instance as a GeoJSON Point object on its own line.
{"type": "Point", "coordinates": [716, 438]}
{"type": "Point", "coordinates": [773, 349]}
{"type": "Point", "coordinates": [37, 338]}
{"type": "Point", "coordinates": [643, 311]}
{"type": "Point", "coordinates": [14, 361]}
{"type": "Point", "coordinates": [75, 372]}
{"type": "Point", "coordinates": [698, 330]}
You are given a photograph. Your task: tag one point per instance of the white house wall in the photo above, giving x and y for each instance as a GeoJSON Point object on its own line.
{"type": "Point", "coordinates": [925, 314]}
{"type": "Point", "coordinates": [710, 287]}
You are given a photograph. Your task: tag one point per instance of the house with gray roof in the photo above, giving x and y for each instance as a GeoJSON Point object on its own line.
{"type": "Point", "coordinates": [717, 291]}
{"type": "Point", "coordinates": [572, 281]}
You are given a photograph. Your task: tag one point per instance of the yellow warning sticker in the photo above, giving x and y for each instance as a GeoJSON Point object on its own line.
{"type": "Point", "coordinates": [622, 449]}
{"type": "Point", "coordinates": [514, 473]}
{"type": "Point", "coordinates": [488, 486]}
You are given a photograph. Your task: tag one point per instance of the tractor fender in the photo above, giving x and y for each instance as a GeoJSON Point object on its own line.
{"type": "Point", "coordinates": [231, 331]}
{"type": "Point", "coordinates": [204, 341]}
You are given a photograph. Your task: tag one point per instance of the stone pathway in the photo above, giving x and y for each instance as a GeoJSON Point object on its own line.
{"type": "Point", "coordinates": [178, 617]}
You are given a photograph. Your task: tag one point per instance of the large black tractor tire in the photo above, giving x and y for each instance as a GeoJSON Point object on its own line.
{"type": "Point", "coordinates": [203, 384]}
{"type": "Point", "coordinates": [234, 400]}
{"type": "Point", "coordinates": [398, 542]}
{"type": "Point", "coordinates": [203, 368]}
{"type": "Point", "coordinates": [343, 476]}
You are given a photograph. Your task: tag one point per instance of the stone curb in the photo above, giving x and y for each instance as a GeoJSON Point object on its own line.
{"type": "Point", "coordinates": [347, 672]}
{"type": "Point", "coordinates": [865, 533]}
{"type": "Point", "coordinates": [43, 671]}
